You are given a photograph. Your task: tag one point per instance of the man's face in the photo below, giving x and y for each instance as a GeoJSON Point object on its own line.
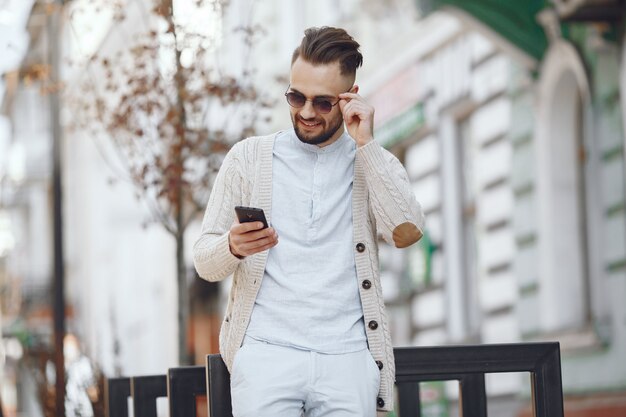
{"type": "Point", "coordinates": [313, 81]}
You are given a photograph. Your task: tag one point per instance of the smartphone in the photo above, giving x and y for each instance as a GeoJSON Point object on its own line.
{"type": "Point", "coordinates": [251, 214]}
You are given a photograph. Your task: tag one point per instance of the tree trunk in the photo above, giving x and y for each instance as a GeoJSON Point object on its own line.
{"type": "Point", "coordinates": [183, 301]}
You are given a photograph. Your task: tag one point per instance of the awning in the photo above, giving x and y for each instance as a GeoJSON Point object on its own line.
{"type": "Point", "coordinates": [514, 20]}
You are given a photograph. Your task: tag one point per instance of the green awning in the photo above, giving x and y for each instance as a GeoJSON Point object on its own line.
{"type": "Point", "coordinates": [515, 20]}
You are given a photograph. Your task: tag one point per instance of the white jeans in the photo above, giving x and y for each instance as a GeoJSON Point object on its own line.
{"type": "Point", "coordinates": [276, 381]}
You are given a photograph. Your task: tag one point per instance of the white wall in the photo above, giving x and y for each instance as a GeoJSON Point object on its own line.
{"type": "Point", "coordinates": [121, 277]}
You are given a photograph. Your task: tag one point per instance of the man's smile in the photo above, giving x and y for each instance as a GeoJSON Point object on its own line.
{"type": "Point", "coordinates": [310, 123]}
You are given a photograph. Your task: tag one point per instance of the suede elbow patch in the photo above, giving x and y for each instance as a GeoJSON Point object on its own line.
{"type": "Point", "coordinates": [406, 234]}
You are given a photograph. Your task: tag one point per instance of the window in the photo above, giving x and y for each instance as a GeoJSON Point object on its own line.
{"type": "Point", "coordinates": [569, 277]}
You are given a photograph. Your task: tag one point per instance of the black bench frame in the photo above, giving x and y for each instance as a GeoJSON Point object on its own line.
{"type": "Point", "coordinates": [145, 390]}
{"type": "Point", "coordinates": [184, 385]}
{"type": "Point", "coordinates": [466, 364]}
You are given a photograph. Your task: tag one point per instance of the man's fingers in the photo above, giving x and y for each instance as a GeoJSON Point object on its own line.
{"type": "Point", "coordinates": [342, 105]}
{"type": "Point", "coordinates": [355, 108]}
{"type": "Point", "coordinates": [259, 243]}
{"type": "Point", "coordinates": [255, 235]}
{"type": "Point", "coordinates": [345, 99]}
{"type": "Point", "coordinates": [252, 235]}
{"type": "Point", "coordinates": [349, 96]}
{"type": "Point", "coordinates": [240, 228]}
{"type": "Point", "coordinates": [255, 246]}
{"type": "Point", "coordinates": [246, 243]}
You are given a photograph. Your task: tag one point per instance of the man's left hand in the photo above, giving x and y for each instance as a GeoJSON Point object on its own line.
{"type": "Point", "coordinates": [358, 116]}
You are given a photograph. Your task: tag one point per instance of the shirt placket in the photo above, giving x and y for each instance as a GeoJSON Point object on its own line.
{"type": "Point", "coordinates": [316, 195]}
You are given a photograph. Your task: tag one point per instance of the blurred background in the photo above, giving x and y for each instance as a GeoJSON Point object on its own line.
{"type": "Point", "coordinates": [116, 114]}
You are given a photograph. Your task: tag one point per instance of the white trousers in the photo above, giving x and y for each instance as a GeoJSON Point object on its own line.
{"type": "Point", "coordinates": [277, 381]}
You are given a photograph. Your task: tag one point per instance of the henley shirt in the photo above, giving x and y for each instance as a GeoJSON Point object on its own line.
{"type": "Point", "coordinates": [309, 296]}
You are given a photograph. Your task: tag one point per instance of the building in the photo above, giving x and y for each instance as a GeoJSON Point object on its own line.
{"type": "Point", "coordinates": [513, 133]}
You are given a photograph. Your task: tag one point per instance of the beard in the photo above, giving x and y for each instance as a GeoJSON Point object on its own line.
{"type": "Point", "coordinates": [331, 127]}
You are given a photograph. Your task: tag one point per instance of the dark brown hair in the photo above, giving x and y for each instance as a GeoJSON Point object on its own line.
{"type": "Point", "coordinates": [327, 45]}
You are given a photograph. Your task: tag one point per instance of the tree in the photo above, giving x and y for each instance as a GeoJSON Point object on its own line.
{"type": "Point", "coordinates": [171, 114]}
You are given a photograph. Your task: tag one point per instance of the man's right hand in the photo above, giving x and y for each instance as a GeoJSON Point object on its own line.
{"type": "Point", "coordinates": [246, 239]}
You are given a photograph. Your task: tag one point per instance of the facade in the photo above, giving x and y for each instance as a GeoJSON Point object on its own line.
{"type": "Point", "coordinates": [451, 128]}
{"type": "Point", "coordinates": [515, 143]}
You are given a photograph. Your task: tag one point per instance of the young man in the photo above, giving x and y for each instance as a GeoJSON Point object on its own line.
{"type": "Point", "coordinates": [305, 330]}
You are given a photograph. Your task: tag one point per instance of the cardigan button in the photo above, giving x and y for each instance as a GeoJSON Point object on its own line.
{"type": "Point", "coordinates": [360, 247]}
{"type": "Point", "coordinates": [366, 284]}
{"type": "Point", "coordinates": [373, 325]}
{"type": "Point", "coordinates": [379, 364]}
{"type": "Point", "coordinates": [380, 402]}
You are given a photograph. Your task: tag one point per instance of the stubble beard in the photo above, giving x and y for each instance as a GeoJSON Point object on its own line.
{"type": "Point", "coordinates": [323, 137]}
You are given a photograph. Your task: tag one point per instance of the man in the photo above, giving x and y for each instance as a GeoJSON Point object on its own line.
{"type": "Point", "coordinates": [305, 330]}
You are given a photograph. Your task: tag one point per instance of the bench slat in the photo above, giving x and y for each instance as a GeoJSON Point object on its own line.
{"type": "Point", "coordinates": [184, 385]}
{"type": "Point", "coordinates": [145, 390]}
{"type": "Point", "coordinates": [116, 393]}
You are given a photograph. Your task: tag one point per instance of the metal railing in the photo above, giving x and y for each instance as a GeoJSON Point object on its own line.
{"type": "Point", "coordinates": [466, 364]}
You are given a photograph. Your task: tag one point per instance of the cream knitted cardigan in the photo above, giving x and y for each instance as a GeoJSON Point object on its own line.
{"type": "Point", "coordinates": [382, 200]}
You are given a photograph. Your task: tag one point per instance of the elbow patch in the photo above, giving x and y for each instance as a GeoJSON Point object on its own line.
{"type": "Point", "coordinates": [406, 234]}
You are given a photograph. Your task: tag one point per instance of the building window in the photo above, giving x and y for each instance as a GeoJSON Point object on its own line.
{"type": "Point", "coordinates": [566, 210]}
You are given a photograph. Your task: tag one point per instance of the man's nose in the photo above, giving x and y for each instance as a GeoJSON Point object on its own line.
{"type": "Point", "coordinates": [308, 112]}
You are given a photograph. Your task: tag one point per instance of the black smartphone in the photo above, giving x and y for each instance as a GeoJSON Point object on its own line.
{"type": "Point", "coordinates": [251, 214]}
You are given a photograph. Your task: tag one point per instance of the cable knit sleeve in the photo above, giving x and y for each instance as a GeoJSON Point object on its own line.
{"type": "Point", "coordinates": [399, 217]}
{"type": "Point", "coordinates": [211, 252]}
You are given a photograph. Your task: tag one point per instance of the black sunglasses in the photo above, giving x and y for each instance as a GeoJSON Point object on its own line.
{"type": "Point", "coordinates": [321, 105]}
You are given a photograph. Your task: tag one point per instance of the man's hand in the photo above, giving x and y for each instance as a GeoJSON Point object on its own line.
{"type": "Point", "coordinates": [246, 239]}
{"type": "Point", "coordinates": [359, 117]}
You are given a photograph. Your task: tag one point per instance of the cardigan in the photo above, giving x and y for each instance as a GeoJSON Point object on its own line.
{"type": "Point", "coordinates": [383, 204]}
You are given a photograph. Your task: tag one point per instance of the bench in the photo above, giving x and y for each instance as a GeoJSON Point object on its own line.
{"type": "Point", "coordinates": [184, 385]}
{"type": "Point", "coordinates": [116, 393]}
{"type": "Point", "coordinates": [469, 364]}
{"type": "Point", "coordinates": [466, 364]}
{"type": "Point", "coordinates": [145, 390]}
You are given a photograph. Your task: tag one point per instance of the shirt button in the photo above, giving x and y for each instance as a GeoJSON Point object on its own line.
{"type": "Point", "coordinates": [380, 365]}
{"type": "Point", "coordinates": [373, 325]}
{"type": "Point", "coordinates": [366, 284]}
{"type": "Point", "coordinates": [360, 247]}
{"type": "Point", "coordinates": [380, 402]}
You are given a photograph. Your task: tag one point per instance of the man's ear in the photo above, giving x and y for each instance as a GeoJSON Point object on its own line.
{"type": "Point", "coordinates": [354, 89]}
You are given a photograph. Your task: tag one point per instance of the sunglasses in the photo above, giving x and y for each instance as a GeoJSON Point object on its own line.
{"type": "Point", "coordinates": [321, 105]}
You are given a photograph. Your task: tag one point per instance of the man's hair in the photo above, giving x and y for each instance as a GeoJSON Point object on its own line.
{"type": "Point", "coordinates": [327, 45]}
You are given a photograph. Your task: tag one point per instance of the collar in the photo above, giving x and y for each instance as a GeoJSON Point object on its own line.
{"type": "Point", "coordinates": [342, 141]}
